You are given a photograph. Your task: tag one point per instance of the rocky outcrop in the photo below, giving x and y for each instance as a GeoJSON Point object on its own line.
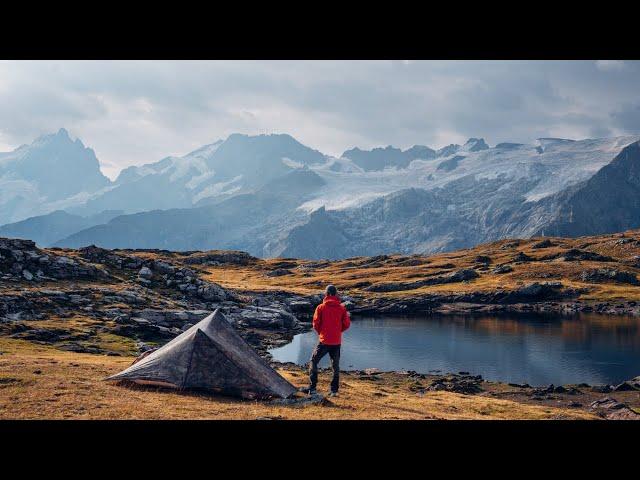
{"type": "Point", "coordinates": [611, 409]}
{"type": "Point", "coordinates": [575, 254]}
{"type": "Point", "coordinates": [222, 257]}
{"type": "Point", "coordinates": [453, 277]}
{"type": "Point", "coordinates": [500, 269]}
{"type": "Point", "coordinates": [609, 275]}
{"type": "Point", "coordinates": [546, 243]}
{"type": "Point", "coordinates": [22, 260]}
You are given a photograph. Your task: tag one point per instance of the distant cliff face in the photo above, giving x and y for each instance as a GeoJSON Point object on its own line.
{"type": "Point", "coordinates": [608, 202]}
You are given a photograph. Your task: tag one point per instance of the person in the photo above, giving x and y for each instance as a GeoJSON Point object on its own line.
{"type": "Point", "coordinates": [329, 321]}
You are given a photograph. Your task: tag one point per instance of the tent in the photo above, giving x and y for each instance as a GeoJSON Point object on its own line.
{"type": "Point", "coordinates": [209, 356]}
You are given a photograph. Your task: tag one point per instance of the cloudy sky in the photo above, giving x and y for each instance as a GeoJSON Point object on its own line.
{"type": "Point", "coordinates": [134, 112]}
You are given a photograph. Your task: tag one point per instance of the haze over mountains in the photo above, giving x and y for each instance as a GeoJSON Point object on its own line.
{"type": "Point", "coordinates": [272, 196]}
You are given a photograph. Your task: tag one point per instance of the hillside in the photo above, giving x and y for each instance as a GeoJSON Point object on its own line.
{"type": "Point", "coordinates": [93, 309]}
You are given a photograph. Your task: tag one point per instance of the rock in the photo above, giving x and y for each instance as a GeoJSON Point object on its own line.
{"type": "Point", "coordinates": [602, 388]}
{"type": "Point", "coordinates": [609, 275]}
{"type": "Point", "coordinates": [145, 273]}
{"type": "Point", "coordinates": [624, 241]}
{"type": "Point", "coordinates": [453, 277]}
{"type": "Point", "coordinates": [546, 243]}
{"type": "Point", "coordinates": [522, 257]}
{"type": "Point", "coordinates": [301, 306]}
{"type": "Point", "coordinates": [212, 292]}
{"type": "Point", "coordinates": [278, 272]}
{"type": "Point", "coordinates": [625, 413]}
{"type": "Point", "coordinates": [575, 254]}
{"type": "Point", "coordinates": [172, 318]}
{"type": "Point", "coordinates": [499, 269]}
{"type": "Point", "coordinates": [27, 275]}
{"type": "Point", "coordinates": [266, 317]}
{"type": "Point", "coordinates": [221, 257]}
{"type": "Point", "coordinates": [607, 403]}
{"type": "Point", "coordinates": [520, 385]}
{"type": "Point", "coordinates": [611, 409]}
{"type": "Point", "coordinates": [628, 386]}
{"type": "Point", "coordinates": [315, 399]}
{"type": "Point", "coordinates": [465, 384]}
{"type": "Point", "coordinates": [163, 267]}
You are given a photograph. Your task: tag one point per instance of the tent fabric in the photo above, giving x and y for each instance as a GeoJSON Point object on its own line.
{"type": "Point", "coordinates": [212, 356]}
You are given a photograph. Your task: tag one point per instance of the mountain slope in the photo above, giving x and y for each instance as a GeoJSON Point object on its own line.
{"type": "Point", "coordinates": [239, 164]}
{"type": "Point", "coordinates": [53, 168]}
{"type": "Point", "coordinates": [608, 202]}
{"type": "Point", "coordinates": [46, 229]}
{"type": "Point", "coordinates": [247, 220]}
{"type": "Point", "coordinates": [272, 196]}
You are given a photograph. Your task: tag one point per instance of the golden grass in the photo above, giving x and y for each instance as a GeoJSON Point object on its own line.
{"type": "Point", "coordinates": [349, 274]}
{"type": "Point", "coordinates": [40, 382]}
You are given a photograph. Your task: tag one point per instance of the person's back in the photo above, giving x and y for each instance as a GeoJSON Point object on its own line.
{"type": "Point", "coordinates": [330, 319]}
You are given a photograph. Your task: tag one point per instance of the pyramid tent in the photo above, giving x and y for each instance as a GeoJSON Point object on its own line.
{"type": "Point", "coordinates": [209, 356]}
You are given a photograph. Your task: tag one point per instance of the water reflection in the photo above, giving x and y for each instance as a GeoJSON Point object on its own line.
{"type": "Point", "coordinates": [526, 348]}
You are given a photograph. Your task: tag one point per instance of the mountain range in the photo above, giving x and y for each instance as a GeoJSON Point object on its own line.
{"type": "Point", "coordinates": [272, 196]}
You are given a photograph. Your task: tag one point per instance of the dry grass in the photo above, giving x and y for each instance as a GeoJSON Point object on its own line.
{"type": "Point", "coordinates": [349, 274]}
{"type": "Point", "coordinates": [40, 382]}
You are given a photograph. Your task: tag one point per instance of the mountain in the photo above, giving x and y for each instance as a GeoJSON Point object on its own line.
{"type": "Point", "coordinates": [272, 196]}
{"type": "Point", "coordinates": [508, 191]}
{"type": "Point", "coordinates": [381, 158]}
{"type": "Point", "coordinates": [247, 220]}
{"type": "Point", "coordinates": [239, 164]}
{"type": "Point", "coordinates": [608, 202]}
{"type": "Point", "coordinates": [46, 229]}
{"type": "Point", "coordinates": [35, 178]}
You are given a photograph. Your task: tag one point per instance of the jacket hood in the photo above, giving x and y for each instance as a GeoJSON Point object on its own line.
{"type": "Point", "coordinates": [331, 299]}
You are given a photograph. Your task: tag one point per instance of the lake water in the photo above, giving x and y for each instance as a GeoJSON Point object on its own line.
{"type": "Point", "coordinates": [534, 349]}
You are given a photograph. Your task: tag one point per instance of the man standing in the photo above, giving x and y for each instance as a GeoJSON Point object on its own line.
{"type": "Point", "coordinates": [329, 320]}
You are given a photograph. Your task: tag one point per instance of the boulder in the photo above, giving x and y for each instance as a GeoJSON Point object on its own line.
{"type": "Point", "coordinates": [522, 257]}
{"type": "Point", "coordinates": [163, 267]}
{"type": "Point", "coordinates": [575, 254]}
{"type": "Point", "coordinates": [266, 317]}
{"type": "Point", "coordinates": [607, 403]}
{"type": "Point", "coordinates": [145, 273]}
{"type": "Point", "coordinates": [609, 275]}
{"type": "Point", "coordinates": [500, 269]}
{"type": "Point", "coordinates": [279, 272]}
{"type": "Point", "coordinates": [546, 243]}
{"type": "Point", "coordinates": [628, 385]}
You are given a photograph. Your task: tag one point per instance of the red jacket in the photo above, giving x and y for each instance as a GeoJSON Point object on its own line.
{"type": "Point", "coordinates": [330, 320]}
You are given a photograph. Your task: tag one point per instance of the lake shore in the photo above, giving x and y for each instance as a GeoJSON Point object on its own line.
{"type": "Point", "coordinates": [42, 382]}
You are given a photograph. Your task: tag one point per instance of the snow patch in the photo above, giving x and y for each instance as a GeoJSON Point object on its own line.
{"type": "Point", "coordinates": [219, 188]}
{"type": "Point", "coordinates": [292, 163]}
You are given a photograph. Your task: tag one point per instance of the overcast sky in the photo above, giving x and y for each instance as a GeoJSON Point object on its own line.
{"type": "Point", "coordinates": [134, 112]}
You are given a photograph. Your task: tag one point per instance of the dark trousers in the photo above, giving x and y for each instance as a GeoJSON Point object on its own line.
{"type": "Point", "coordinates": [320, 351]}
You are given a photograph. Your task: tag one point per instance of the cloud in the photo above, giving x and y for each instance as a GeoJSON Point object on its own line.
{"type": "Point", "coordinates": [134, 112]}
{"type": "Point", "coordinates": [628, 118]}
{"type": "Point", "coordinates": [609, 65]}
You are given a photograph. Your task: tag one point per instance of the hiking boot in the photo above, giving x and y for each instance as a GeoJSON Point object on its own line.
{"type": "Point", "coordinates": [308, 390]}
{"type": "Point", "coordinates": [333, 394]}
